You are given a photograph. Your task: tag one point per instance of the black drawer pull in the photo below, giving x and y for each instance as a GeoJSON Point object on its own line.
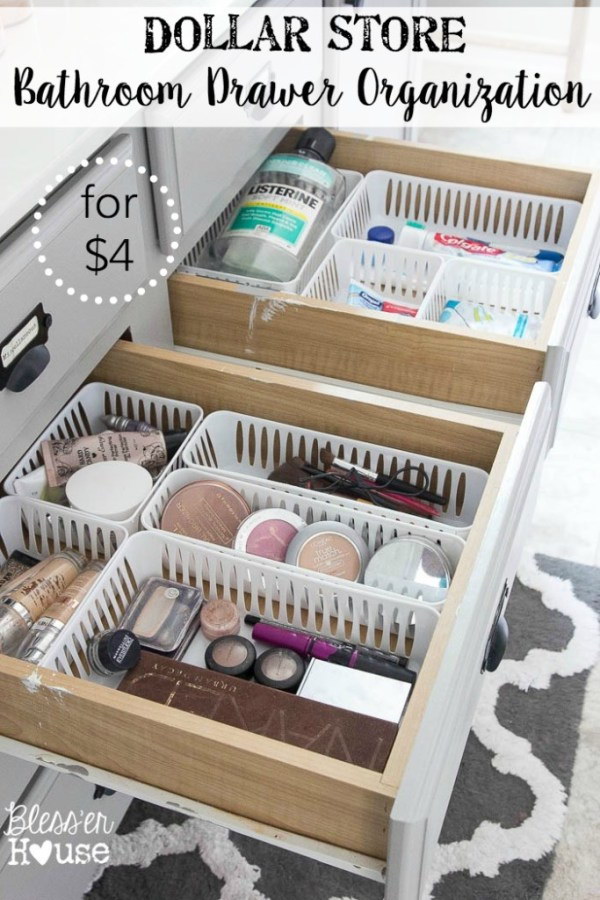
{"type": "Point", "coordinates": [594, 307]}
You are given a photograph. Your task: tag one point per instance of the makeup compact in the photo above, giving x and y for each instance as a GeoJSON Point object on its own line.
{"type": "Point", "coordinates": [413, 566]}
{"type": "Point", "coordinates": [113, 489]}
{"type": "Point", "coordinates": [219, 618]}
{"type": "Point", "coordinates": [355, 690]}
{"type": "Point", "coordinates": [268, 533]}
{"type": "Point", "coordinates": [330, 548]}
{"type": "Point", "coordinates": [279, 668]}
{"type": "Point", "coordinates": [115, 651]}
{"type": "Point", "coordinates": [162, 614]}
{"type": "Point", "coordinates": [232, 655]}
{"type": "Point", "coordinates": [207, 511]}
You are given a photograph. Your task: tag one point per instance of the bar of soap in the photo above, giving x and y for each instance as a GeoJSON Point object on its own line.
{"type": "Point", "coordinates": [351, 737]}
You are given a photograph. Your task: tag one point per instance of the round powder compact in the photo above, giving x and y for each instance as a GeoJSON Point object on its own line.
{"type": "Point", "coordinates": [330, 548]}
{"type": "Point", "coordinates": [413, 566]}
{"type": "Point", "coordinates": [268, 533]}
{"type": "Point", "coordinates": [231, 655]}
{"type": "Point", "coordinates": [207, 511]}
{"type": "Point", "coordinates": [113, 489]}
{"type": "Point", "coordinates": [219, 618]}
{"type": "Point", "coordinates": [279, 668]}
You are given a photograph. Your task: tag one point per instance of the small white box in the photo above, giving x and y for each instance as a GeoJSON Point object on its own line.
{"type": "Point", "coordinates": [355, 690]}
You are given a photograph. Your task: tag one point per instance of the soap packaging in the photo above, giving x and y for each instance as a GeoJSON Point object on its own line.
{"type": "Point", "coordinates": [164, 615]}
{"type": "Point", "coordinates": [357, 739]}
{"type": "Point", "coordinates": [62, 458]}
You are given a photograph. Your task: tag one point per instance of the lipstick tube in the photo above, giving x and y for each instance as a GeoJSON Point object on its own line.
{"type": "Point", "coordinates": [309, 645]}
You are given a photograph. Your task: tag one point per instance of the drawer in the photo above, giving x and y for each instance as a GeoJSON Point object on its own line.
{"type": "Point", "coordinates": [275, 785]}
{"type": "Point", "coordinates": [415, 356]}
{"type": "Point", "coordinates": [76, 325]}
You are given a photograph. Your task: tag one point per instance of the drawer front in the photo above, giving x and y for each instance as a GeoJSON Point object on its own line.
{"type": "Point", "coordinates": [271, 782]}
{"type": "Point", "coordinates": [416, 357]}
{"type": "Point", "coordinates": [58, 796]}
{"type": "Point", "coordinates": [427, 773]}
{"type": "Point", "coordinates": [76, 326]}
{"type": "Point", "coordinates": [203, 168]}
{"type": "Point", "coordinates": [16, 777]}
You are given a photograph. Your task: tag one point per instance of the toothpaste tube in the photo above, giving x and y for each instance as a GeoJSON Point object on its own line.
{"type": "Point", "coordinates": [367, 298]}
{"type": "Point", "coordinates": [416, 236]}
{"type": "Point", "coordinates": [478, 318]}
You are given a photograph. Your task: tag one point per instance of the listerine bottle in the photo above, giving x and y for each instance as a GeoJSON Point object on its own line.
{"type": "Point", "coordinates": [284, 211]}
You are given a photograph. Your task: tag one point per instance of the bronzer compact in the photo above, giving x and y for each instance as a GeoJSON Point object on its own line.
{"type": "Point", "coordinates": [330, 548]}
{"type": "Point", "coordinates": [164, 615]}
{"type": "Point", "coordinates": [207, 511]}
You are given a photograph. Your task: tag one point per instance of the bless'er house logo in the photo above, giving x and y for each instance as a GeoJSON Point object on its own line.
{"type": "Point", "coordinates": [37, 837]}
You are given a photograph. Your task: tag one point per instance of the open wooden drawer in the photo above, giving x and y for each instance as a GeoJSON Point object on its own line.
{"type": "Point", "coordinates": [414, 357]}
{"type": "Point", "coordinates": [396, 814]}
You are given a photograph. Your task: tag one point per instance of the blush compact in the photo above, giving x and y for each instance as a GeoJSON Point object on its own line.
{"type": "Point", "coordinates": [279, 668]}
{"type": "Point", "coordinates": [330, 548]}
{"type": "Point", "coordinates": [268, 533]}
{"type": "Point", "coordinates": [231, 655]}
{"type": "Point", "coordinates": [207, 511]}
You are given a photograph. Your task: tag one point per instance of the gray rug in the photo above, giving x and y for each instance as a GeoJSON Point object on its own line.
{"type": "Point", "coordinates": [508, 804]}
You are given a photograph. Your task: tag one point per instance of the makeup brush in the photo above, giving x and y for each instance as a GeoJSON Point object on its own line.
{"type": "Point", "coordinates": [386, 482]}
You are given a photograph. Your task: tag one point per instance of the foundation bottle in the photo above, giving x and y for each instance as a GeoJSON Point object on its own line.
{"type": "Point", "coordinates": [48, 627]}
{"type": "Point", "coordinates": [30, 598]}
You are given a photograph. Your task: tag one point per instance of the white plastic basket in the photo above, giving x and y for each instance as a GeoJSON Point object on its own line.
{"type": "Point", "coordinates": [498, 288]}
{"type": "Point", "coordinates": [251, 448]}
{"type": "Point", "coordinates": [81, 416]}
{"type": "Point", "coordinates": [340, 610]}
{"type": "Point", "coordinates": [195, 261]}
{"type": "Point", "coordinates": [506, 217]}
{"type": "Point", "coordinates": [375, 530]}
{"type": "Point", "coordinates": [403, 276]}
{"type": "Point", "coordinates": [40, 529]}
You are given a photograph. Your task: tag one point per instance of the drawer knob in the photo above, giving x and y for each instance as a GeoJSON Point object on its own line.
{"type": "Point", "coordinates": [594, 307]}
{"type": "Point", "coordinates": [496, 645]}
{"type": "Point", "coordinates": [28, 369]}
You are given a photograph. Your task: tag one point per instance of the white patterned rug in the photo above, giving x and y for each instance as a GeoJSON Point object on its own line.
{"type": "Point", "coordinates": [509, 804]}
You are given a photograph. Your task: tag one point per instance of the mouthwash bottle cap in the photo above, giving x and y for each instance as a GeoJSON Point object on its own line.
{"type": "Point", "coordinates": [412, 235]}
{"type": "Point", "coordinates": [317, 143]}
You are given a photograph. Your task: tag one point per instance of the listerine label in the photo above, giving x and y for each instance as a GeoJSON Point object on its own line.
{"type": "Point", "coordinates": [276, 213]}
{"type": "Point", "coordinates": [309, 169]}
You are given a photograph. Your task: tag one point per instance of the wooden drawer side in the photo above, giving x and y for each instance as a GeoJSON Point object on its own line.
{"type": "Point", "coordinates": [262, 779]}
{"type": "Point", "coordinates": [366, 154]}
{"type": "Point", "coordinates": [323, 407]}
{"type": "Point", "coordinates": [419, 358]}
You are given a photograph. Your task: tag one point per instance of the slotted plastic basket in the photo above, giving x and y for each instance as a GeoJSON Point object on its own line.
{"type": "Point", "coordinates": [400, 275]}
{"type": "Point", "coordinates": [40, 529]}
{"type": "Point", "coordinates": [339, 610]}
{"type": "Point", "coordinates": [375, 530]}
{"type": "Point", "coordinates": [251, 448]}
{"type": "Point", "coordinates": [82, 416]}
{"type": "Point", "coordinates": [497, 288]}
{"type": "Point", "coordinates": [196, 261]}
{"type": "Point", "coordinates": [505, 217]}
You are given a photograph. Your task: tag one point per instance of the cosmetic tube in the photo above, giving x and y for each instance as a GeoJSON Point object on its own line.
{"type": "Point", "coordinates": [48, 627]}
{"type": "Point", "coordinates": [63, 458]}
{"type": "Point", "coordinates": [24, 604]}
{"type": "Point", "coordinates": [330, 651]}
